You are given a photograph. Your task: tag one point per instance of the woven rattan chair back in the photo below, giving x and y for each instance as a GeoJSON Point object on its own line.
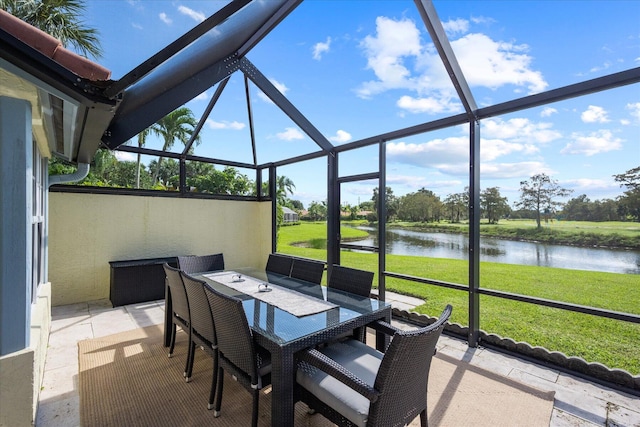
{"type": "Point", "coordinates": [280, 264]}
{"type": "Point", "coordinates": [199, 263]}
{"type": "Point", "coordinates": [180, 307]}
{"type": "Point", "coordinates": [179, 301]}
{"type": "Point", "coordinates": [201, 318]}
{"type": "Point", "coordinates": [235, 340]}
{"type": "Point", "coordinates": [307, 270]}
{"type": "Point", "coordinates": [239, 356]}
{"type": "Point", "coordinates": [399, 392]}
{"type": "Point", "coordinates": [351, 280]}
{"type": "Point", "coordinates": [202, 329]}
{"type": "Point", "coordinates": [404, 374]}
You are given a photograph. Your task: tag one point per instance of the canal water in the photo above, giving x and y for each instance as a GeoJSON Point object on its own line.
{"type": "Point", "coordinates": [445, 245]}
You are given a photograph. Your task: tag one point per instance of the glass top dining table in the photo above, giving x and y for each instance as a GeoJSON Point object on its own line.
{"type": "Point", "coordinates": [284, 334]}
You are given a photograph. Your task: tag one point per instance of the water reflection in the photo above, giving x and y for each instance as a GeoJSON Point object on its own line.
{"type": "Point", "coordinates": [445, 245]}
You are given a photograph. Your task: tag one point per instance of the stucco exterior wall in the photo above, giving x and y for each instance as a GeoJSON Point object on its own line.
{"type": "Point", "coordinates": [86, 231]}
{"type": "Point", "coordinates": [21, 372]}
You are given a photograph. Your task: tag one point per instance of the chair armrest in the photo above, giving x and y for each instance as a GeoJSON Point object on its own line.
{"type": "Point", "coordinates": [317, 359]}
{"type": "Point", "coordinates": [383, 327]}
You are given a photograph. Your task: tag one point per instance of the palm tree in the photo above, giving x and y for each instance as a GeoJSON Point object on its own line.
{"type": "Point", "coordinates": [179, 124]}
{"type": "Point", "coordinates": [60, 19]}
{"type": "Point", "coordinates": [284, 186]}
{"type": "Point", "coordinates": [142, 139]}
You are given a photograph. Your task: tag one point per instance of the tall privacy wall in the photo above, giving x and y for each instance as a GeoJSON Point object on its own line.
{"type": "Point", "coordinates": [86, 231]}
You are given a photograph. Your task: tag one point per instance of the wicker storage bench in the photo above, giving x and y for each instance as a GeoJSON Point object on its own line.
{"type": "Point", "coordinates": [138, 280]}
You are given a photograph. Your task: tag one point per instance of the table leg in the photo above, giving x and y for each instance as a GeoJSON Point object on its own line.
{"type": "Point", "coordinates": [168, 309]}
{"type": "Point", "coordinates": [382, 339]}
{"type": "Point", "coordinates": [282, 378]}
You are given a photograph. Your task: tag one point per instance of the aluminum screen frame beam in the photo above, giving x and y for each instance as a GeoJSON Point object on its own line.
{"type": "Point", "coordinates": [599, 84]}
{"type": "Point", "coordinates": [448, 57]}
{"type": "Point", "coordinates": [176, 46]}
{"type": "Point", "coordinates": [205, 115]}
{"type": "Point", "coordinates": [252, 72]}
{"type": "Point", "coordinates": [196, 68]}
{"type": "Point", "coordinates": [131, 123]}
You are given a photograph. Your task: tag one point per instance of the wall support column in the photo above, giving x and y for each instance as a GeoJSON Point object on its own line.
{"type": "Point", "coordinates": [16, 210]}
{"type": "Point", "coordinates": [333, 213]}
{"type": "Point", "coordinates": [474, 233]}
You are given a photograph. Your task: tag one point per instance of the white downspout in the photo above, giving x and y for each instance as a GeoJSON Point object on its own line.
{"type": "Point", "coordinates": [80, 174]}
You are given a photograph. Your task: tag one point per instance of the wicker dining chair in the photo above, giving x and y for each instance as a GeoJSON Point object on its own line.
{"type": "Point", "coordinates": [240, 356]}
{"type": "Point", "coordinates": [180, 305]}
{"type": "Point", "coordinates": [307, 270]}
{"type": "Point", "coordinates": [354, 281]}
{"type": "Point", "coordinates": [351, 280]}
{"type": "Point", "coordinates": [203, 332]}
{"type": "Point", "coordinates": [352, 384]}
{"type": "Point", "coordinates": [280, 264]}
{"type": "Point", "coordinates": [200, 263]}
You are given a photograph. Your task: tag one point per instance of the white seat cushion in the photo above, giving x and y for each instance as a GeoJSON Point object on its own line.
{"type": "Point", "coordinates": [362, 361]}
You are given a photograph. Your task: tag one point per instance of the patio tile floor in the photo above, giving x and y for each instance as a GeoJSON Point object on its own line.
{"type": "Point", "coordinates": [577, 402]}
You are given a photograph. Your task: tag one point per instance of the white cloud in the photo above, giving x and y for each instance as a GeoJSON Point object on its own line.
{"type": "Point", "coordinates": [482, 20]}
{"type": "Point", "coordinates": [599, 68]}
{"type": "Point", "coordinates": [594, 114]}
{"type": "Point", "coordinates": [490, 63]}
{"type": "Point", "coordinates": [400, 60]}
{"type": "Point", "coordinates": [548, 111]}
{"type": "Point", "coordinates": [443, 153]}
{"type": "Point", "coordinates": [589, 186]}
{"type": "Point", "coordinates": [594, 143]}
{"type": "Point", "coordinates": [491, 149]}
{"type": "Point", "coordinates": [456, 26]}
{"type": "Point", "coordinates": [202, 97]}
{"type": "Point", "coordinates": [340, 136]}
{"type": "Point", "coordinates": [123, 156]}
{"type": "Point", "coordinates": [634, 110]}
{"type": "Point", "coordinates": [225, 125]}
{"type": "Point", "coordinates": [280, 86]}
{"type": "Point", "coordinates": [451, 156]}
{"type": "Point", "coordinates": [320, 48]}
{"type": "Point", "coordinates": [137, 26]}
{"type": "Point", "coordinates": [385, 52]}
{"type": "Point", "coordinates": [417, 182]}
{"type": "Point", "coordinates": [439, 104]}
{"type": "Point", "coordinates": [520, 130]}
{"type": "Point", "coordinates": [434, 153]}
{"type": "Point", "coordinates": [513, 170]}
{"type": "Point", "coordinates": [196, 16]}
{"type": "Point", "coordinates": [164, 18]}
{"type": "Point", "coordinates": [359, 189]}
{"type": "Point", "coordinates": [290, 134]}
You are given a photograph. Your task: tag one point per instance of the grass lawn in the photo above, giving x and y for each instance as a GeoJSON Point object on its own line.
{"type": "Point", "coordinates": [612, 343]}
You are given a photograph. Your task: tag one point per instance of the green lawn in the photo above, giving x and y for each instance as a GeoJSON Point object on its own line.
{"type": "Point", "coordinates": [613, 343]}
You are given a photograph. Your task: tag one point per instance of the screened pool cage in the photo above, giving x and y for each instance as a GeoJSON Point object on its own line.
{"type": "Point", "coordinates": [217, 49]}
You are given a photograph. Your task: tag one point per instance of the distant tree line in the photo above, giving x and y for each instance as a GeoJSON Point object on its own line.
{"type": "Point", "coordinates": [107, 171]}
{"type": "Point", "coordinates": [539, 199]}
{"type": "Point", "coordinates": [539, 195]}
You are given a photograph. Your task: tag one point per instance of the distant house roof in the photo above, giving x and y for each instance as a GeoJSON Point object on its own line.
{"type": "Point", "coordinates": [288, 211]}
{"type": "Point", "coordinates": [289, 214]}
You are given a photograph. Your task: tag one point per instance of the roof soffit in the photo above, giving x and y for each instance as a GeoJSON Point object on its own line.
{"type": "Point", "coordinates": [61, 86]}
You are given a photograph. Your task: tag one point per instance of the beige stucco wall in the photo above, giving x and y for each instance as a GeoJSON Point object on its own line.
{"type": "Point", "coordinates": [21, 372]}
{"type": "Point", "coordinates": [86, 231]}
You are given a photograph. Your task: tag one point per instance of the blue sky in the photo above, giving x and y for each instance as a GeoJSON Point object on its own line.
{"type": "Point", "coordinates": [360, 68]}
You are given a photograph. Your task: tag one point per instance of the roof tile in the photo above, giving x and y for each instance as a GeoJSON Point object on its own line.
{"type": "Point", "coordinates": [52, 48]}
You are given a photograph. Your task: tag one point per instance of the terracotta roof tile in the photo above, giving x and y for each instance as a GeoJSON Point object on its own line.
{"type": "Point", "coordinates": [52, 48]}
